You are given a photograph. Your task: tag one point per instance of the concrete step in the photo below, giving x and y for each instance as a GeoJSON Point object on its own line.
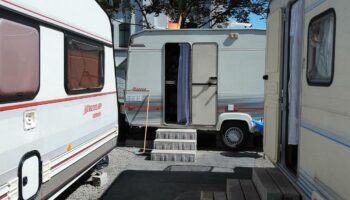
{"type": "Point", "coordinates": [175, 144]}
{"type": "Point", "coordinates": [207, 195]}
{"type": "Point", "coordinates": [249, 190]}
{"type": "Point", "coordinates": [272, 184]}
{"type": "Point", "coordinates": [286, 188]}
{"type": "Point", "coordinates": [173, 155]}
{"type": "Point", "coordinates": [234, 190]}
{"type": "Point", "coordinates": [182, 134]}
{"type": "Point", "coordinates": [219, 196]}
{"type": "Point", "coordinates": [241, 189]}
{"type": "Point", "coordinates": [265, 185]}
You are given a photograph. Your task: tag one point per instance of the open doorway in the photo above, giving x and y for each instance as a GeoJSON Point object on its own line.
{"type": "Point", "coordinates": [291, 88]}
{"type": "Point", "coordinates": [177, 83]}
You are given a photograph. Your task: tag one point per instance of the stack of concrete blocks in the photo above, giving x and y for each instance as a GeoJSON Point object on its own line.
{"type": "Point", "coordinates": [266, 184]}
{"type": "Point", "coordinates": [178, 145]}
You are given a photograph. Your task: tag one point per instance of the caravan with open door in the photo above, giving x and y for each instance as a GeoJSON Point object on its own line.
{"type": "Point", "coordinates": [202, 79]}
{"type": "Point", "coordinates": [306, 95]}
{"type": "Point", "coordinates": [57, 95]}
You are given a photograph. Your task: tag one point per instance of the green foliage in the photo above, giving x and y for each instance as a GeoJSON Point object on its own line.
{"type": "Point", "coordinates": [111, 6]}
{"type": "Point", "coordinates": [194, 13]}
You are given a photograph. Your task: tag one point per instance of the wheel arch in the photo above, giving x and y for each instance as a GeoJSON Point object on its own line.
{"type": "Point", "coordinates": [238, 117]}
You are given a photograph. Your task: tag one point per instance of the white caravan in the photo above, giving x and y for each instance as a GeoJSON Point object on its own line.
{"type": "Point", "coordinates": [203, 79]}
{"type": "Point", "coordinates": [57, 94]}
{"type": "Point", "coordinates": [307, 113]}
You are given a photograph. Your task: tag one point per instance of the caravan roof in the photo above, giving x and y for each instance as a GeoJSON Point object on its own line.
{"type": "Point", "coordinates": [196, 30]}
{"type": "Point", "coordinates": [155, 39]}
{"type": "Point", "coordinates": [95, 25]}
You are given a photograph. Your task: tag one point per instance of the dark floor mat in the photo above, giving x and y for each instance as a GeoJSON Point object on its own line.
{"type": "Point", "coordinates": [169, 185]}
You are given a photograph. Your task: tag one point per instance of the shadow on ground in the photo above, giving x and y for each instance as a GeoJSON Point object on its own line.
{"type": "Point", "coordinates": [169, 185]}
{"type": "Point", "coordinates": [240, 154]}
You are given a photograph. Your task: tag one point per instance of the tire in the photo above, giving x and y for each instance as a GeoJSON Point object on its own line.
{"type": "Point", "coordinates": [234, 135]}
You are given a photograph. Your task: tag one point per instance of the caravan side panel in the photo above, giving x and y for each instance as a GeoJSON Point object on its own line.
{"type": "Point", "coordinates": [145, 71]}
{"type": "Point", "coordinates": [67, 133]}
{"type": "Point", "coordinates": [240, 82]}
{"type": "Point", "coordinates": [325, 113]}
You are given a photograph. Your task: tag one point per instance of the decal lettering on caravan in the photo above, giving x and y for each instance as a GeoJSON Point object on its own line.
{"type": "Point", "coordinates": [91, 108]}
{"type": "Point", "coordinates": [139, 89]}
{"type": "Point", "coordinates": [96, 115]}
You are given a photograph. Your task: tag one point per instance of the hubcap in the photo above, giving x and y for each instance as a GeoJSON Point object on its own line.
{"type": "Point", "coordinates": [233, 136]}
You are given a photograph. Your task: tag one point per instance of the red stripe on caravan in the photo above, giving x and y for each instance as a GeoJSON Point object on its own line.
{"type": "Point", "coordinates": [3, 196]}
{"type": "Point", "coordinates": [79, 152]}
{"type": "Point", "coordinates": [57, 21]}
{"type": "Point", "coordinates": [222, 108]}
{"type": "Point", "coordinates": [25, 105]}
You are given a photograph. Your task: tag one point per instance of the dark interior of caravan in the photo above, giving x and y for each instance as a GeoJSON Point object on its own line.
{"type": "Point", "coordinates": [172, 54]}
{"type": "Point", "coordinates": [292, 158]}
{"type": "Point", "coordinates": [177, 83]}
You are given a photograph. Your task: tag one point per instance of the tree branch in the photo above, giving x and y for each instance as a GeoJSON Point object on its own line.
{"type": "Point", "coordinates": [185, 15]}
{"type": "Point", "coordinates": [133, 24]}
{"type": "Point", "coordinates": [148, 25]}
{"type": "Point", "coordinates": [210, 17]}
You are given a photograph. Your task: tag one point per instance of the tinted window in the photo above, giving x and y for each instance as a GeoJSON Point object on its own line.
{"type": "Point", "coordinates": [84, 66]}
{"type": "Point", "coordinates": [321, 49]}
{"type": "Point", "coordinates": [19, 61]}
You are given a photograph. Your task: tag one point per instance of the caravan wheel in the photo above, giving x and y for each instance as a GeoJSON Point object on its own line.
{"type": "Point", "coordinates": [233, 135]}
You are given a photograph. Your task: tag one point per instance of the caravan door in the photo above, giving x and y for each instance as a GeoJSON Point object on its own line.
{"type": "Point", "coordinates": [272, 84]}
{"type": "Point", "coordinates": [204, 83]}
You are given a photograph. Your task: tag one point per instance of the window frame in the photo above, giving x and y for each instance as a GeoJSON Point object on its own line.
{"type": "Point", "coordinates": [20, 19]}
{"type": "Point", "coordinates": [315, 18]}
{"type": "Point", "coordinates": [67, 38]}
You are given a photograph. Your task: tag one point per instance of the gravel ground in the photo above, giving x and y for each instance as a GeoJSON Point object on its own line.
{"type": "Point", "coordinates": [127, 158]}
{"type": "Point", "coordinates": [119, 159]}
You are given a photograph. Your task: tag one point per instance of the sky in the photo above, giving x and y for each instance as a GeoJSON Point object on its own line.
{"type": "Point", "coordinates": [257, 22]}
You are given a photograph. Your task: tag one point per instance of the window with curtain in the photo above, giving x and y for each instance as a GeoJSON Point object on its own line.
{"type": "Point", "coordinates": [19, 61]}
{"type": "Point", "coordinates": [321, 49]}
{"type": "Point", "coordinates": [84, 66]}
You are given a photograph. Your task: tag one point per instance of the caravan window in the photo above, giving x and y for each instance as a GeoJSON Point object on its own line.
{"type": "Point", "coordinates": [84, 66]}
{"type": "Point", "coordinates": [19, 61]}
{"type": "Point", "coordinates": [321, 49]}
